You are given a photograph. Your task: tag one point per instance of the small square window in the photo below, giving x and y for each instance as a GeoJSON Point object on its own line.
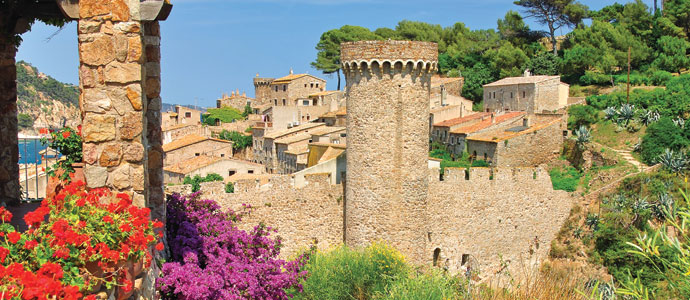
{"type": "Point", "coordinates": [188, 115]}
{"type": "Point", "coordinates": [250, 171]}
{"type": "Point", "coordinates": [222, 155]}
{"type": "Point", "coordinates": [197, 154]}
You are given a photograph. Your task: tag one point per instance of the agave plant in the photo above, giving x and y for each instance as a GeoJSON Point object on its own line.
{"type": "Point", "coordinates": [619, 202]}
{"type": "Point", "coordinates": [582, 137]}
{"type": "Point", "coordinates": [674, 162]}
{"type": "Point", "coordinates": [626, 114]}
{"type": "Point", "coordinates": [680, 122]}
{"type": "Point", "coordinates": [592, 221]}
{"type": "Point", "coordinates": [610, 113]}
{"type": "Point", "coordinates": [647, 117]}
{"type": "Point", "coordinates": [665, 206]}
{"type": "Point", "coordinates": [639, 205]}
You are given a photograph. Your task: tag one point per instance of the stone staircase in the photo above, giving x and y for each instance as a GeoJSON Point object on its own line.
{"type": "Point", "coordinates": [627, 155]}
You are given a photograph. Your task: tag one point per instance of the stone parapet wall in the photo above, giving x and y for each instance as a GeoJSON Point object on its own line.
{"type": "Point", "coordinates": [9, 149]}
{"type": "Point", "coordinates": [496, 216]}
{"type": "Point", "coordinates": [391, 51]}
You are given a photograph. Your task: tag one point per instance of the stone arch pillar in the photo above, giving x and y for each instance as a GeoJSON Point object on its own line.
{"type": "Point", "coordinates": [9, 149]}
{"type": "Point", "coordinates": [119, 54]}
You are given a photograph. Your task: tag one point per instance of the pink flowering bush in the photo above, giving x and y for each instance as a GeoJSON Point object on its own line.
{"type": "Point", "coordinates": [213, 259]}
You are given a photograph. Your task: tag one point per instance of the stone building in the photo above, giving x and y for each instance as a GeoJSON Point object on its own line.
{"type": "Point", "coordinates": [440, 132]}
{"type": "Point", "coordinates": [532, 94]}
{"type": "Point", "coordinates": [334, 118]}
{"type": "Point", "coordinates": [446, 91]}
{"type": "Point", "coordinates": [329, 134]}
{"type": "Point", "coordinates": [181, 115]}
{"type": "Point", "coordinates": [287, 90]}
{"type": "Point", "coordinates": [235, 100]}
{"type": "Point", "coordinates": [264, 147]}
{"type": "Point", "coordinates": [335, 99]}
{"type": "Point", "coordinates": [204, 165]}
{"type": "Point", "coordinates": [288, 150]}
{"type": "Point", "coordinates": [192, 146]}
{"type": "Point", "coordinates": [521, 146]}
{"type": "Point", "coordinates": [457, 138]}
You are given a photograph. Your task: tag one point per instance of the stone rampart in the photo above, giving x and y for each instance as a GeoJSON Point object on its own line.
{"type": "Point", "coordinates": [502, 215]}
{"type": "Point", "coordinates": [511, 214]}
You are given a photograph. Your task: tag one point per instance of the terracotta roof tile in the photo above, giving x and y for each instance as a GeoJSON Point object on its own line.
{"type": "Point", "coordinates": [192, 164]}
{"type": "Point", "coordinates": [305, 126]}
{"type": "Point", "coordinates": [488, 123]}
{"type": "Point", "coordinates": [457, 121]}
{"type": "Point", "coordinates": [188, 140]}
{"type": "Point", "coordinates": [302, 136]}
{"type": "Point", "coordinates": [522, 80]}
{"type": "Point", "coordinates": [326, 130]}
{"type": "Point", "coordinates": [499, 136]}
{"type": "Point", "coordinates": [438, 80]}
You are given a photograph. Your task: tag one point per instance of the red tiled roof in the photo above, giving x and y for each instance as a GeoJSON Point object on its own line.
{"type": "Point", "coordinates": [487, 123]}
{"type": "Point", "coordinates": [456, 121]}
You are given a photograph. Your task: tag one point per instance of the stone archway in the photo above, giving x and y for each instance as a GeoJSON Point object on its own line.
{"type": "Point", "coordinates": [119, 76]}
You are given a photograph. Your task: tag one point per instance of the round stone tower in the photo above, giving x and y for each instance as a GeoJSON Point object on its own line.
{"type": "Point", "coordinates": [388, 86]}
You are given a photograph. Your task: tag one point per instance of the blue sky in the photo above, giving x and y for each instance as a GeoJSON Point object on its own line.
{"type": "Point", "coordinates": [215, 46]}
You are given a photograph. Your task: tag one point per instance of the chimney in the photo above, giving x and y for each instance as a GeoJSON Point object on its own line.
{"type": "Point", "coordinates": [444, 94]}
{"type": "Point", "coordinates": [232, 94]}
{"type": "Point", "coordinates": [291, 72]}
{"type": "Point", "coordinates": [493, 118]}
{"type": "Point", "coordinates": [244, 94]}
{"type": "Point", "coordinates": [526, 122]}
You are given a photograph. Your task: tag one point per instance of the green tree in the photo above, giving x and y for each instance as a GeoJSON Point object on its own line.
{"type": "Point", "coordinates": [225, 115]}
{"type": "Point", "coordinates": [420, 31]}
{"type": "Point", "coordinates": [328, 47]}
{"type": "Point", "coordinates": [197, 180]}
{"type": "Point", "coordinates": [672, 55]}
{"type": "Point", "coordinates": [247, 110]}
{"type": "Point", "coordinates": [678, 12]}
{"type": "Point", "coordinates": [554, 14]}
{"type": "Point", "coordinates": [507, 60]}
{"type": "Point", "coordinates": [25, 121]}
{"type": "Point", "coordinates": [475, 78]}
{"type": "Point", "coordinates": [544, 64]}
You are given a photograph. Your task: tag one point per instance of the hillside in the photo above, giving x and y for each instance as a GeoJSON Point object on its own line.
{"type": "Point", "coordinates": [43, 101]}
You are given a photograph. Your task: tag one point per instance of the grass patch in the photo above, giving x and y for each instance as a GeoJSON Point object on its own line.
{"type": "Point", "coordinates": [565, 178]}
{"type": "Point", "coordinates": [609, 134]}
{"type": "Point", "coordinates": [225, 115]}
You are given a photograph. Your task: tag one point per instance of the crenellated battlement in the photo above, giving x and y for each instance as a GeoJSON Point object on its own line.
{"type": "Point", "coordinates": [481, 175]}
{"type": "Point", "coordinates": [263, 81]}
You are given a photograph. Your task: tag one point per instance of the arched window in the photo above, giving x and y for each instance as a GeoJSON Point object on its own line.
{"type": "Point", "coordinates": [284, 102]}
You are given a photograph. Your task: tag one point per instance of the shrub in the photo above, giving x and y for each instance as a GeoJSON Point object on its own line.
{"type": "Point", "coordinates": [225, 115]}
{"type": "Point", "coordinates": [212, 259]}
{"type": "Point", "coordinates": [68, 142]}
{"type": "Point", "coordinates": [239, 141]}
{"type": "Point", "coordinates": [565, 179]}
{"type": "Point", "coordinates": [345, 273]}
{"type": "Point", "coordinates": [594, 78]}
{"type": "Point", "coordinates": [661, 78]}
{"type": "Point", "coordinates": [229, 187]}
{"type": "Point", "coordinates": [25, 121]}
{"type": "Point", "coordinates": [433, 285]}
{"type": "Point", "coordinates": [197, 180]}
{"type": "Point", "coordinates": [660, 136]}
{"type": "Point", "coordinates": [582, 115]}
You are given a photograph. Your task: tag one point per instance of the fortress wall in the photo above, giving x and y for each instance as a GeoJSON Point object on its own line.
{"type": "Point", "coordinates": [511, 216]}
{"type": "Point", "coordinates": [303, 216]}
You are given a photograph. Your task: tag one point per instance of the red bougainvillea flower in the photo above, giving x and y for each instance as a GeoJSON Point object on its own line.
{"type": "Point", "coordinates": [14, 237]}
{"type": "Point", "coordinates": [65, 134]}
{"type": "Point", "coordinates": [158, 224]}
{"type": "Point", "coordinates": [160, 247]}
{"type": "Point", "coordinates": [5, 215]}
{"type": "Point", "coordinates": [108, 219]}
{"type": "Point", "coordinates": [79, 130]}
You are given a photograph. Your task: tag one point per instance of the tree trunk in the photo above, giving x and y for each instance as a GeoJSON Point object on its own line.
{"type": "Point", "coordinates": [655, 6]}
{"type": "Point", "coordinates": [338, 78]}
{"type": "Point", "coordinates": [554, 42]}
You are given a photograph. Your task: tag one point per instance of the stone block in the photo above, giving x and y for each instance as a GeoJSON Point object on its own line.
{"type": "Point", "coordinates": [134, 51]}
{"type": "Point", "coordinates": [90, 153]}
{"type": "Point", "coordinates": [98, 128]}
{"type": "Point", "coordinates": [118, 97]}
{"type": "Point", "coordinates": [131, 125]}
{"type": "Point", "coordinates": [86, 26]}
{"type": "Point", "coordinates": [134, 96]}
{"type": "Point", "coordinates": [153, 87]}
{"type": "Point", "coordinates": [87, 76]}
{"type": "Point", "coordinates": [137, 178]}
{"type": "Point", "coordinates": [100, 51]}
{"type": "Point", "coordinates": [128, 27]}
{"type": "Point", "coordinates": [95, 176]}
{"type": "Point", "coordinates": [93, 8]}
{"type": "Point", "coordinates": [120, 177]}
{"type": "Point", "coordinates": [134, 152]}
{"type": "Point", "coordinates": [153, 69]}
{"type": "Point", "coordinates": [123, 72]}
{"type": "Point", "coordinates": [121, 46]}
{"type": "Point", "coordinates": [96, 101]}
{"type": "Point", "coordinates": [111, 155]}
{"type": "Point", "coordinates": [153, 53]}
